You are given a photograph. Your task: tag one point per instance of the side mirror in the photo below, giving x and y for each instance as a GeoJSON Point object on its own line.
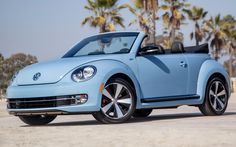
{"type": "Point", "coordinates": [151, 50]}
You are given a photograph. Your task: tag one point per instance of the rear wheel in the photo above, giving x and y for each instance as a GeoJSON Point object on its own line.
{"type": "Point", "coordinates": [118, 102]}
{"type": "Point", "coordinates": [216, 98]}
{"type": "Point", "coordinates": [142, 112]}
{"type": "Point", "coordinates": [37, 119]}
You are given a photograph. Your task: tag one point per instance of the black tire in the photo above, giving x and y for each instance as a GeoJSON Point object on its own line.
{"type": "Point", "coordinates": [142, 113]}
{"type": "Point", "coordinates": [214, 104]}
{"type": "Point", "coordinates": [37, 119]}
{"type": "Point", "coordinates": [127, 109]}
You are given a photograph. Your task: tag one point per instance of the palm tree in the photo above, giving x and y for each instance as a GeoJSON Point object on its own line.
{"type": "Point", "coordinates": [142, 20]}
{"type": "Point", "coordinates": [231, 45]}
{"type": "Point", "coordinates": [216, 35]}
{"type": "Point", "coordinates": [229, 28]}
{"type": "Point", "coordinates": [1, 75]}
{"type": "Point", "coordinates": [151, 7]}
{"type": "Point", "coordinates": [145, 11]}
{"type": "Point", "coordinates": [173, 17]}
{"type": "Point", "coordinates": [1, 58]}
{"type": "Point", "coordinates": [196, 14]}
{"type": "Point", "coordinates": [106, 14]}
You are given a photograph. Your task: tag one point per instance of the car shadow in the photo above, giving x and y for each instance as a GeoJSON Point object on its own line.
{"type": "Point", "coordinates": [173, 116]}
{"type": "Point", "coordinates": [158, 63]}
{"type": "Point", "coordinates": [132, 120]}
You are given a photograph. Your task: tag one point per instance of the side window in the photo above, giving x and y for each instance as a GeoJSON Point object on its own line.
{"type": "Point", "coordinates": [147, 41]}
{"type": "Point", "coordinates": [143, 43]}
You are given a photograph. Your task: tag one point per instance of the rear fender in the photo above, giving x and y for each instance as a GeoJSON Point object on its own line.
{"type": "Point", "coordinates": [209, 68]}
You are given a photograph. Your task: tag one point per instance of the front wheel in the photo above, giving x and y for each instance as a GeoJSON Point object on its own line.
{"type": "Point", "coordinates": [118, 102]}
{"type": "Point", "coordinates": [38, 119]}
{"type": "Point", "coordinates": [216, 98]}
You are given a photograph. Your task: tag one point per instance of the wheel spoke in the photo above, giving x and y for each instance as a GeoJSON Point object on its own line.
{"type": "Point", "coordinates": [107, 107]}
{"type": "Point", "coordinates": [124, 101]}
{"type": "Point", "coordinates": [118, 111]}
{"type": "Point", "coordinates": [107, 94]}
{"type": "Point", "coordinates": [216, 87]}
{"type": "Point", "coordinates": [118, 90]}
{"type": "Point", "coordinates": [214, 103]}
{"type": "Point", "coordinates": [221, 93]}
{"type": "Point", "coordinates": [220, 102]}
{"type": "Point", "coordinates": [212, 93]}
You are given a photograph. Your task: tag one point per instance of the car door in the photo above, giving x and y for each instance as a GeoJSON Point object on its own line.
{"type": "Point", "coordinates": [162, 75]}
{"type": "Point", "coordinates": [194, 62]}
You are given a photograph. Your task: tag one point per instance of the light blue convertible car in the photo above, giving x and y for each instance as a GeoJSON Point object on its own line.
{"type": "Point", "coordinates": [116, 76]}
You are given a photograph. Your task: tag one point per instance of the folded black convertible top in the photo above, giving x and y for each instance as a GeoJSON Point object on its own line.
{"type": "Point", "coordinates": [197, 49]}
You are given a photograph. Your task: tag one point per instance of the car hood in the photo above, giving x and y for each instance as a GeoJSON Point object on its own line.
{"type": "Point", "coordinates": [51, 71]}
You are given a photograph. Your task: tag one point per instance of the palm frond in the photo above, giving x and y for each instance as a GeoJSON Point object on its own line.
{"type": "Point", "coordinates": [217, 19]}
{"type": "Point", "coordinates": [118, 20]}
{"type": "Point", "coordinates": [105, 14]}
{"type": "Point", "coordinates": [138, 4]}
{"type": "Point", "coordinates": [132, 22]}
{"type": "Point", "coordinates": [165, 7]}
{"type": "Point", "coordinates": [166, 18]}
{"type": "Point", "coordinates": [131, 9]}
{"type": "Point", "coordinates": [123, 6]}
{"type": "Point", "coordinates": [87, 19]}
{"type": "Point", "coordinates": [204, 14]}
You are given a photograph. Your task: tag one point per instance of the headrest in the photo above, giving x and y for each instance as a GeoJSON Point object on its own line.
{"type": "Point", "coordinates": [177, 47]}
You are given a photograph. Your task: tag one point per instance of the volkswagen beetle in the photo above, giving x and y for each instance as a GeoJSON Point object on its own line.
{"type": "Point", "coordinates": [116, 76]}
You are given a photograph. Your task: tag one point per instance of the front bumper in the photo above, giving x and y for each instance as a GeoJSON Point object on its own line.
{"type": "Point", "coordinates": [47, 91]}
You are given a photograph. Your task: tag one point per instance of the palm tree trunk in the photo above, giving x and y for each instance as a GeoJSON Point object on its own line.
{"type": "Point", "coordinates": [216, 54]}
{"type": "Point", "coordinates": [103, 28]}
{"type": "Point", "coordinates": [216, 51]}
{"type": "Point", "coordinates": [197, 42]}
{"type": "Point", "coordinates": [172, 35]}
{"type": "Point", "coordinates": [230, 64]}
{"type": "Point", "coordinates": [155, 4]}
{"type": "Point", "coordinates": [154, 26]}
{"type": "Point", "coordinates": [195, 34]}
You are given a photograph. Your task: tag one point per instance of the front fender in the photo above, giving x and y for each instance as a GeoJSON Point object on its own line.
{"type": "Point", "coordinates": [108, 68]}
{"type": "Point", "coordinates": [208, 68]}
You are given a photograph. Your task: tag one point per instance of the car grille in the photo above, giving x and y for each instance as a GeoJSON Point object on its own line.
{"type": "Point", "coordinates": [45, 102]}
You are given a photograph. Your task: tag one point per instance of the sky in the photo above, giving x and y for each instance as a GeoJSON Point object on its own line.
{"type": "Point", "coordinates": [49, 28]}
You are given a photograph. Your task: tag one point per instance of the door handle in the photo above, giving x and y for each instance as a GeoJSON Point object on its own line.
{"type": "Point", "coordinates": [183, 64]}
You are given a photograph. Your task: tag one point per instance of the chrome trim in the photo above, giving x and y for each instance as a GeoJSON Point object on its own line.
{"type": "Point", "coordinates": [41, 102]}
{"type": "Point", "coordinates": [37, 113]}
{"type": "Point", "coordinates": [35, 101]}
{"type": "Point", "coordinates": [170, 98]}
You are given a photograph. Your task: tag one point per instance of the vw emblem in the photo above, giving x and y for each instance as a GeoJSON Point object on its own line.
{"type": "Point", "coordinates": [36, 76]}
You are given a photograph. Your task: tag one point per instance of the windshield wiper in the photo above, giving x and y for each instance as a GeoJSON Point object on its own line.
{"type": "Point", "coordinates": [96, 53]}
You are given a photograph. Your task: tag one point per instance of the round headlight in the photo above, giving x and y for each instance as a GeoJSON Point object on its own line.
{"type": "Point", "coordinates": [83, 73]}
{"type": "Point", "coordinates": [88, 72]}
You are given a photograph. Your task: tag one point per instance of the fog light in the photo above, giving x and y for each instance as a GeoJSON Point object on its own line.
{"type": "Point", "coordinates": [81, 98]}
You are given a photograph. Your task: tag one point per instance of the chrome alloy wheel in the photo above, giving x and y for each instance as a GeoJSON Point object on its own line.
{"type": "Point", "coordinates": [116, 101]}
{"type": "Point", "coordinates": [218, 96]}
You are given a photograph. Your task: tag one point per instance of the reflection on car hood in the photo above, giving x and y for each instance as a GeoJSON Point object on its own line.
{"type": "Point", "coordinates": [52, 71]}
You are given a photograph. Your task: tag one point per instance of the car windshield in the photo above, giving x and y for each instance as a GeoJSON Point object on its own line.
{"type": "Point", "coordinates": [112, 43]}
